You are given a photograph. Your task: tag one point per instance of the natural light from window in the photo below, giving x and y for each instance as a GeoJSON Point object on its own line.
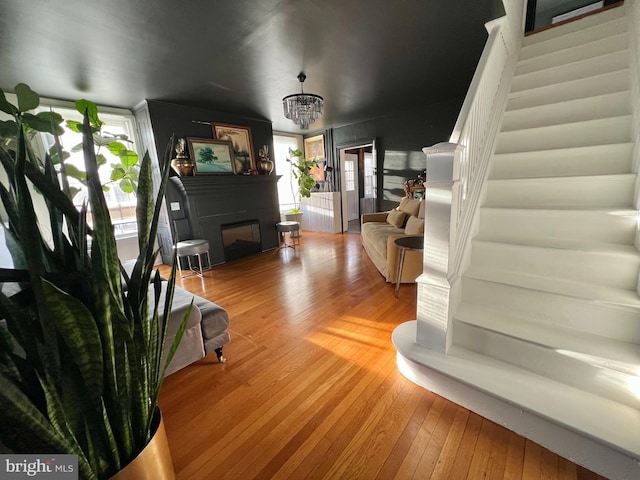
{"type": "Point", "coordinates": [281, 145]}
{"type": "Point", "coordinates": [122, 206]}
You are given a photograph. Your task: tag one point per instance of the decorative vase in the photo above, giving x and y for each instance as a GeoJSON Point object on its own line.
{"type": "Point", "coordinates": [182, 164]}
{"type": "Point", "coordinates": [265, 165]}
{"type": "Point", "coordinates": [153, 463]}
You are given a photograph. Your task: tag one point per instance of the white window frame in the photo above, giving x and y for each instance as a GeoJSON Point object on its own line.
{"type": "Point", "coordinates": [111, 116]}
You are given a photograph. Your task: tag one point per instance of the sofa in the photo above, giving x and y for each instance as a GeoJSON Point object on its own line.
{"type": "Point", "coordinates": [378, 232]}
{"type": "Point", "coordinates": [206, 329]}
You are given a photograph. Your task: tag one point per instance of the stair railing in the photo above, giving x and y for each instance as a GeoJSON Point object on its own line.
{"type": "Point", "coordinates": [476, 130]}
{"type": "Point", "coordinates": [456, 173]}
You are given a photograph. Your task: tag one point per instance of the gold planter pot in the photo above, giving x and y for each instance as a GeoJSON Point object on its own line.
{"type": "Point", "coordinates": [153, 463]}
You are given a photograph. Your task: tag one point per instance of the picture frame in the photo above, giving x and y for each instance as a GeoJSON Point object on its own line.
{"type": "Point", "coordinates": [211, 157]}
{"type": "Point", "coordinates": [418, 193]}
{"type": "Point", "coordinates": [314, 148]}
{"type": "Point", "coordinates": [241, 145]}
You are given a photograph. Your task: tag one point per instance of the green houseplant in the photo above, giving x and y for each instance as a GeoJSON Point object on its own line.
{"type": "Point", "coordinates": [301, 170]}
{"type": "Point", "coordinates": [81, 342]}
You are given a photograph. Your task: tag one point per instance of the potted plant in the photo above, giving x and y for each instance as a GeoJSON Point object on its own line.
{"type": "Point", "coordinates": [301, 171]}
{"type": "Point", "coordinates": [81, 342]}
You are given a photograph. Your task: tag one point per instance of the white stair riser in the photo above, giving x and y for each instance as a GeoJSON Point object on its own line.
{"type": "Point", "coordinates": [580, 134]}
{"type": "Point", "coordinates": [570, 72]}
{"type": "Point", "coordinates": [556, 34]}
{"type": "Point", "coordinates": [575, 193]}
{"type": "Point", "coordinates": [585, 87]}
{"type": "Point", "coordinates": [564, 162]}
{"type": "Point", "coordinates": [568, 57]}
{"type": "Point", "coordinates": [601, 268]}
{"type": "Point", "coordinates": [574, 39]}
{"type": "Point", "coordinates": [546, 362]}
{"type": "Point", "coordinates": [590, 316]}
{"type": "Point", "coordinates": [534, 226]}
{"type": "Point", "coordinates": [592, 108]}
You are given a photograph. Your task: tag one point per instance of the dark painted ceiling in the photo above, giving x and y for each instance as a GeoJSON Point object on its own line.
{"type": "Point", "coordinates": [365, 57]}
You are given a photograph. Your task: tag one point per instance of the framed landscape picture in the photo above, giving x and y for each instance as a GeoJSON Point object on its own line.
{"type": "Point", "coordinates": [211, 156]}
{"type": "Point", "coordinates": [242, 144]}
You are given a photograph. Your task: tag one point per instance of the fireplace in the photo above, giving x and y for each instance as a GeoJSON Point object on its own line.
{"type": "Point", "coordinates": [241, 239]}
{"type": "Point", "coordinates": [237, 214]}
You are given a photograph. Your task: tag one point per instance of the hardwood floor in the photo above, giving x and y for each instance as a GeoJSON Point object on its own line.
{"type": "Point", "coordinates": [311, 388]}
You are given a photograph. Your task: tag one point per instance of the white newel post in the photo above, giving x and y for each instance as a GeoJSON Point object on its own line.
{"type": "Point", "coordinates": [442, 196]}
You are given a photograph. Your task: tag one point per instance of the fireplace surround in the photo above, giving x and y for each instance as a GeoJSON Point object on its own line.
{"type": "Point", "coordinates": [204, 206]}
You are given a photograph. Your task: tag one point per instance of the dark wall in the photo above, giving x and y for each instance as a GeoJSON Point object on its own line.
{"type": "Point", "coordinates": [171, 119]}
{"type": "Point", "coordinates": [399, 142]}
{"type": "Point", "coordinates": [399, 137]}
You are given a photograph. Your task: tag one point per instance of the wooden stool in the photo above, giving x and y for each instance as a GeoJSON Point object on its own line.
{"type": "Point", "coordinates": [193, 248]}
{"type": "Point", "coordinates": [294, 233]}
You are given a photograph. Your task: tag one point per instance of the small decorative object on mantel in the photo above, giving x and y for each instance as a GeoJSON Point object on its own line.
{"type": "Point", "coordinates": [265, 165]}
{"type": "Point", "coordinates": [414, 188]}
{"type": "Point", "coordinates": [182, 164]}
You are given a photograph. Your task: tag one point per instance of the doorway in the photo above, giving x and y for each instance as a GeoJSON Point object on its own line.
{"type": "Point", "coordinates": [358, 183]}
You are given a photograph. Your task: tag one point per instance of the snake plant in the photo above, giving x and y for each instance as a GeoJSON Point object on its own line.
{"type": "Point", "coordinates": [81, 342]}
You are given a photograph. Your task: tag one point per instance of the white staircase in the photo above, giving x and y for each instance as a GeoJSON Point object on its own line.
{"type": "Point", "coordinates": [552, 281]}
{"type": "Point", "coordinates": [534, 320]}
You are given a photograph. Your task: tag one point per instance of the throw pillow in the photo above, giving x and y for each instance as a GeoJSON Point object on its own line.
{"type": "Point", "coordinates": [415, 226]}
{"type": "Point", "coordinates": [396, 218]}
{"type": "Point", "coordinates": [410, 206]}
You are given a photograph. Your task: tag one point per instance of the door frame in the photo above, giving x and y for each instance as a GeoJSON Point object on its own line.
{"type": "Point", "coordinates": [339, 148]}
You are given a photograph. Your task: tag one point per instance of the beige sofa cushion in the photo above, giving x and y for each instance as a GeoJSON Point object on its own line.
{"type": "Point", "coordinates": [410, 206]}
{"type": "Point", "coordinates": [376, 234]}
{"type": "Point", "coordinates": [421, 210]}
{"type": "Point", "coordinates": [396, 218]}
{"type": "Point", "coordinates": [415, 226]}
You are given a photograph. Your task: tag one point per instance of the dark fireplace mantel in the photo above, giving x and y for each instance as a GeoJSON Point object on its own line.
{"type": "Point", "coordinates": [200, 206]}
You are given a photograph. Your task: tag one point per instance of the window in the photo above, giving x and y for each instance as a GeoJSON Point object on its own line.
{"type": "Point", "coordinates": [122, 206]}
{"type": "Point", "coordinates": [286, 185]}
{"type": "Point", "coordinates": [349, 174]}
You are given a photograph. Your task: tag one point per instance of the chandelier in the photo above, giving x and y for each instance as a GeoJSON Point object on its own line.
{"type": "Point", "coordinates": [303, 108]}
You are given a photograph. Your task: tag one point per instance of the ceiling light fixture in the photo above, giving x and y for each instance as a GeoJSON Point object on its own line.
{"type": "Point", "coordinates": [303, 108]}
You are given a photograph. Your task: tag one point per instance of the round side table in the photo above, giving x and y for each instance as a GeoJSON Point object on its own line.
{"type": "Point", "coordinates": [404, 244]}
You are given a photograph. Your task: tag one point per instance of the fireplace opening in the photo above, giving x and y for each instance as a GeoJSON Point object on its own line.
{"type": "Point", "coordinates": [241, 239]}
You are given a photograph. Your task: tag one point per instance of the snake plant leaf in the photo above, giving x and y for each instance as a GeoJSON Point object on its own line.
{"type": "Point", "coordinates": [28, 227]}
{"type": "Point", "coordinates": [42, 183]}
{"type": "Point", "coordinates": [114, 448]}
{"type": "Point", "coordinates": [56, 219]}
{"type": "Point", "coordinates": [27, 98]}
{"type": "Point", "coordinates": [79, 332]}
{"type": "Point", "coordinates": [7, 346]}
{"type": "Point", "coordinates": [58, 418]}
{"type": "Point", "coordinates": [24, 427]}
{"type": "Point", "coordinates": [144, 206]}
